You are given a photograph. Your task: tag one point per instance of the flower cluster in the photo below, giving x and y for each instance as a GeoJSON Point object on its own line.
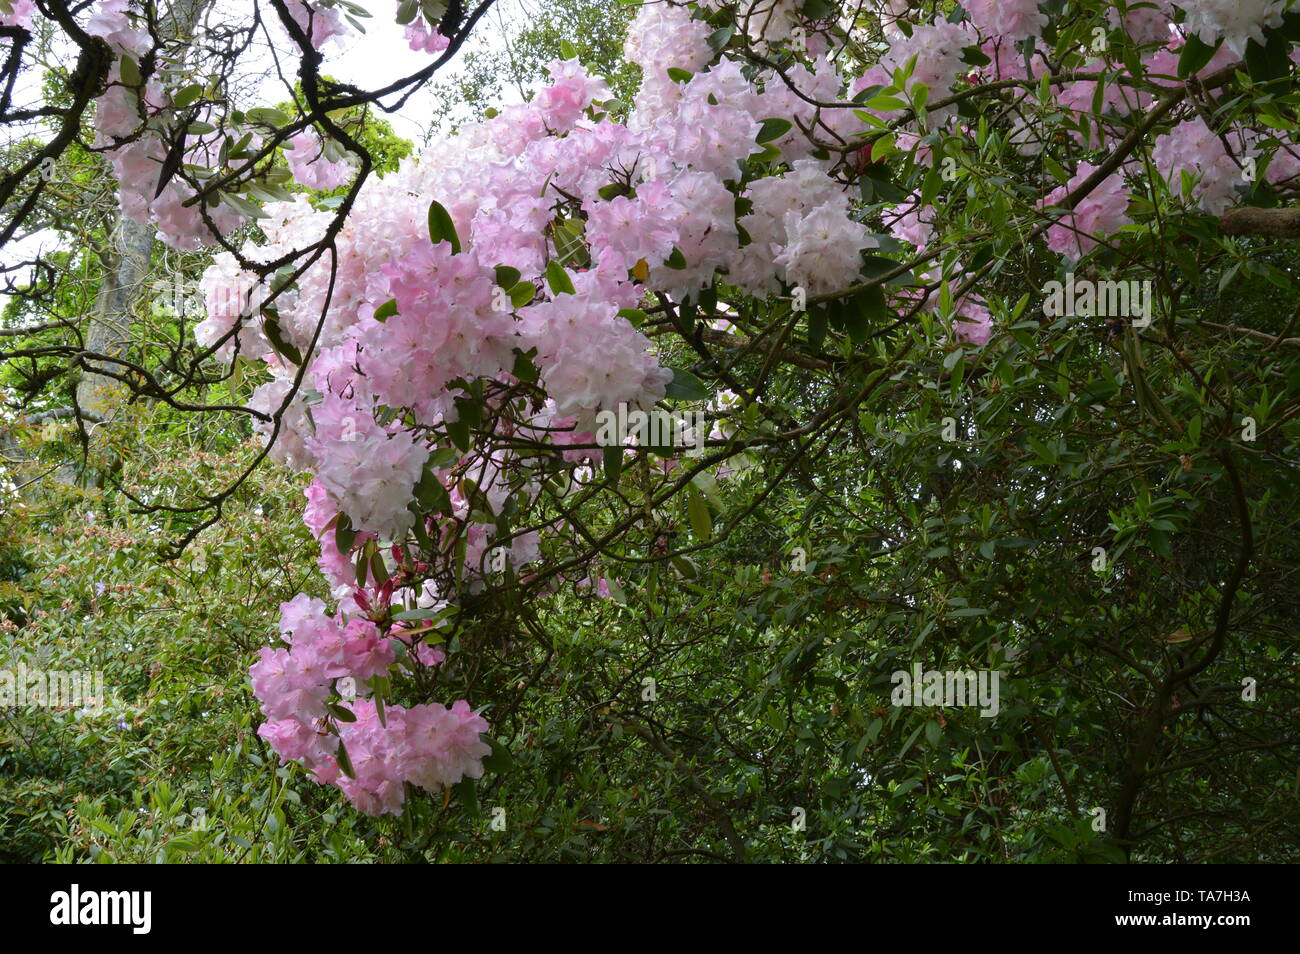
{"type": "Point", "coordinates": [1235, 22]}
{"type": "Point", "coordinates": [1098, 215]}
{"type": "Point", "coordinates": [1008, 19]}
{"type": "Point", "coordinates": [430, 746]}
{"type": "Point", "coordinates": [19, 14]}
{"type": "Point", "coordinates": [307, 162]}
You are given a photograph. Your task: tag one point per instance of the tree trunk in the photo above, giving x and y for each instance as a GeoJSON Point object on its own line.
{"type": "Point", "coordinates": [99, 396]}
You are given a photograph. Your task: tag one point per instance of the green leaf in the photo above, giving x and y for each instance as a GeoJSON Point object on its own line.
{"type": "Point", "coordinates": [612, 458]}
{"type": "Point", "coordinates": [865, 310]}
{"type": "Point", "coordinates": [507, 277]}
{"type": "Point", "coordinates": [378, 569]}
{"type": "Point", "coordinates": [773, 129]}
{"type": "Point", "coordinates": [345, 763]}
{"type": "Point", "coordinates": [885, 104]}
{"type": "Point", "coordinates": [880, 185]}
{"type": "Point", "coordinates": [344, 535]}
{"type": "Point", "coordinates": [500, 760]}
{"type": "Point", "coordinates": [386, 310]}
{"type": "Point", "coordinates": [417, 615]}
{"type": "Point", "coordinates": [679, 75]}
{"type": "Point", "coordinates": [1195, 55]}
{"type": "Point", "coordinates": [458, 431]}
{"type": "Point", "coordinates": [269, 193]}
{"type": "Point", "coordinates": [910, 739]}
{"type": "Point", "coordinates": [616, 590]}
{"type": "Point", "coordinates": [685, 567]}
{"type": "Point", "coordinates": [129, 70]}
{"type": "Point", "coordinates": [186, 843]}
{"type": "Point", "coordinates": [1268, 62]}
{"type": "Point", "coordinates": [524, 369]}
{"type": "Point", "coordinates": [442, 458]}
{"type": "Point", "coordinates": [697, 510]}
{"type": "Point", "coordinates": [341, 713]}
{"type": "Point", "coordinates": [719, 38]}
{"type": "Point", "coordinates": [1160, 543]}
{"type": "Point", "coordinates": [267, 116]}
{"type": "Point", "coordinates": [470, 411]}
{"type": "Point", "coordinates": [467, 794]}
{"type": "Point", "coordinates": [441, 227]}
{"type": "Point", "coordinates": [521, 294]}
{"type": "Point", "coordinates": [363, 563]}
{"type": "Point", "coordinates": [568, 235]}
{"type": "Point", "coordinates": [271, 328]}
{"type": "Point", "coordinates": [431, 494]}
{"type": "Point", "coordinates": [919, 94]}
{"type": "Point", "coordinates": [816, 328]}
{"type": "Point", "coordinates": [686, 387]}
{"type": "Point", "coordinates": [931, 185]}
{"type": "Point", "coordinates": [250, 210]}
{"type": "Point", "coordinates": [558, 279]}
{"type": "Point", "coordinates": [187, 96]}
{"type": "Point", "coordinates": [873, 730]}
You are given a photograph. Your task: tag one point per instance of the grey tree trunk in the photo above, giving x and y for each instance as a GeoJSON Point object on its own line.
{"type": "Point", "coordinates": [99, 396]}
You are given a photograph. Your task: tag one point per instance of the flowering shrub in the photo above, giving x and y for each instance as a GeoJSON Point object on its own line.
{"type": "Point", "coordinates": [439, 366]}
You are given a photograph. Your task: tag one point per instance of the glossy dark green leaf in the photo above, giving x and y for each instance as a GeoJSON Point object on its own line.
{"type": "Point", "coordinates": [441, 227]}
{"type": "Point", "coordinates": [686, 387]}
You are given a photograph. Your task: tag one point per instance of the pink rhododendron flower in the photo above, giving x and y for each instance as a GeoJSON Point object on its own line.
{"type": "Point", "coordinates": [1009, 19]}
{"type": "Point", "coordinates": [602, 587]}
{"type": "Point", "coordinates": [937, 48]}
{"type": "Point", "coordinates": [571, 91]}
{"type": "Point", "coordinates": [110, 23]}
{"type": "Point", "coordinates": [1098, 215]}
{"type": "Point", "coordinates": [309, 165]}
{"type": "Point", "coordinates": [20, 15]}
{"type": "Point", "coordinates": [1194, 148]}
{"type": "Point", "coordinates": [974, 324]}
{"type": "Point", "coordinates": [824, 250]}
{"type": "Point", "coordinates": [320, 23]}
{"type": "Point", "coordinates": [1235, 22]}
{"type": "Point", "coordinates": [1146, 21]}
{"type": "Point", "coordinates": [423, 38]}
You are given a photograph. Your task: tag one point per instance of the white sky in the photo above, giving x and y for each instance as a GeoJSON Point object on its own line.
{"type": "Point", "coordinates": [381, 55]}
